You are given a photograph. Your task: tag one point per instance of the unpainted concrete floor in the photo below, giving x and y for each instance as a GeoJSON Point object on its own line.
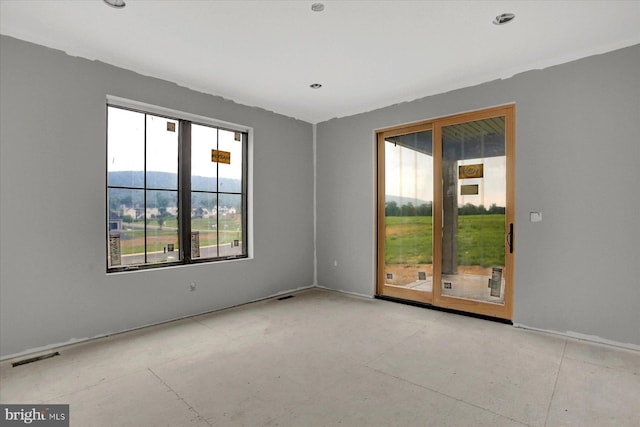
{"type": "Point", "coordinates": [323, 358]}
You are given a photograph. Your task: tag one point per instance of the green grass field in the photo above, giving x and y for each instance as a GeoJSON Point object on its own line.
{"type": "Point", "coordinates": [480, 240]}
{"type": "Point", "coordinates": [157, 239]}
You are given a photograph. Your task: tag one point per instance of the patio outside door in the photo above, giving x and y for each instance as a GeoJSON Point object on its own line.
{"type": "Point", "coordinates": [446, 212]}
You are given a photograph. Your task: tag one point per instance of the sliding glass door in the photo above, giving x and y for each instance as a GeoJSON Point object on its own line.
{"type": "Point", "coordinates": [446, 212]}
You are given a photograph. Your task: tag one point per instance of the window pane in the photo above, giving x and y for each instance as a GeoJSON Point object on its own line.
{"type": "Point", "coordinates": [126, 227]}
{"type": "Point", "coordinates": [125, 150]}
{"type": "Point", "coordinates": [162, 226]}
{"type": "Point", "coordinates": [204, 172]}
{"type": "Point", "coordinates": [230, 174]}
{"type": "Point", "coordinates": [162, 153]}
{"type": "Point", "coordinates": [230, 225]}
{"type": "Point", "coordinates": [204, 222]}
{"type": "Point", "coordinates": [408, 211]}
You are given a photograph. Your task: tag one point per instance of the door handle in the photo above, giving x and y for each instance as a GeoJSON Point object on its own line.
{"type": "Point", "coordinates": [510, 238]}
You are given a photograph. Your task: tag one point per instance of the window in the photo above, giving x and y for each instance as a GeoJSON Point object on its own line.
{"type": "Point", "coordinates": [176, 190]}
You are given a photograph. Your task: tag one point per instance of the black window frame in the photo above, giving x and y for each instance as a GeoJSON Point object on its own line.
{"type": "Point", "coordinates": [184, 191]}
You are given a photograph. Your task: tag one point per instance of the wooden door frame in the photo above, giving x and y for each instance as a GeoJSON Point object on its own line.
{"type": "Point", "coordinates": [412, 294]}
{"type": "Point", "coordinates": [503, 311]}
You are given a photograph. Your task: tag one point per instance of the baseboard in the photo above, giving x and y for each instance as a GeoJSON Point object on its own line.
{"type": "Point", "coordinates": [355, 294]}
{"type": "Point", "coordinates": [582, 337]}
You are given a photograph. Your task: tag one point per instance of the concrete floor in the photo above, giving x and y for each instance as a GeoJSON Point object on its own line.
{"type": "Point", "coordinates": [325, 358]}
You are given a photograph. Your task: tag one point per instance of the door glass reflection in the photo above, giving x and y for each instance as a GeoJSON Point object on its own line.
{"type": "Point", "coordinates": [408, 211]}
{"type": "Point", "coordinates": [474, 205]}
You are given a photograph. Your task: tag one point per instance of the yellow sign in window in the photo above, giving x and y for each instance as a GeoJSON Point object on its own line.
{"type": "Point", "coordinates": [218, 156]}
{"type": "Point", "coordinates": [470, 171]}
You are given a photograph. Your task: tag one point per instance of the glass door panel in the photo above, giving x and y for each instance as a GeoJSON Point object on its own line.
{"type": "Point", "coordinates": [474, 195]}
{"type": "Point", "coordinates": [408, 205]}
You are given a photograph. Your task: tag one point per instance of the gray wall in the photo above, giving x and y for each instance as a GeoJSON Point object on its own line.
{"type": "Point", "coordinates": [52, 194]}
{"type": "Point", "coordinates": [577, 161]}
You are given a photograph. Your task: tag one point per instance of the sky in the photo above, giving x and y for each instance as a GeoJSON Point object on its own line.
{"type": "Point", "coordinates": [409, 174]}
{"type": "Point", "coordinates": [126, 149]}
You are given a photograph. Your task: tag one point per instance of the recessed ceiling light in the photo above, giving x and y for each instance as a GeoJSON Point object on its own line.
{"type": "Point", "coordinates": [317, 7]}
{"type": "Point", "coordinates": [315, 86]}
{"type": "Point", "coordinates": [504, 18]}
{"type": "Point", "coordinates": [118, 4]}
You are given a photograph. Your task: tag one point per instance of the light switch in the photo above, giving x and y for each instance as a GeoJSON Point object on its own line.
{"type": "Point", "coordinates": [535, 216]}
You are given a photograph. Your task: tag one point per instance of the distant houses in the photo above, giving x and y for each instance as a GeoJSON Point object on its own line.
{"type": "Point", "coordinates": [210, 213]}
{"type": "Point", "coordinates": [129, 214]}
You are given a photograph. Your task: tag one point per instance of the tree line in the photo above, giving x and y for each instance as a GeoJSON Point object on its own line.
{"type": "Point", "coordinates": [426, 209]}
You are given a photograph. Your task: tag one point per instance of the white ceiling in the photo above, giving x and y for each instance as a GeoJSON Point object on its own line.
{"type": "Point", "coordinates": [366, 54]}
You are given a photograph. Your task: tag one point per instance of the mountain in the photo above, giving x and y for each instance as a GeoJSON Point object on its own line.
{"type": "Point", "coordinates": [406, 200]}
{"type": "Point", "coordinates": [158, 181]}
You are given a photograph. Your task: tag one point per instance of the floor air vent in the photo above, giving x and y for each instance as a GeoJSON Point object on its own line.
{"type": "Point", "coordinates": [35, 359]}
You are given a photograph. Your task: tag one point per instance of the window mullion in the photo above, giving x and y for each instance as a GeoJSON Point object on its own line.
{"type": "Point", "coordinates": [146, 220]}
{"type": "Point", "coordinates": [184, 195]}
{"type": "Point", "coordinates": [245, 175]}
{"type": "Point", "coordinates": [217, 196]}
